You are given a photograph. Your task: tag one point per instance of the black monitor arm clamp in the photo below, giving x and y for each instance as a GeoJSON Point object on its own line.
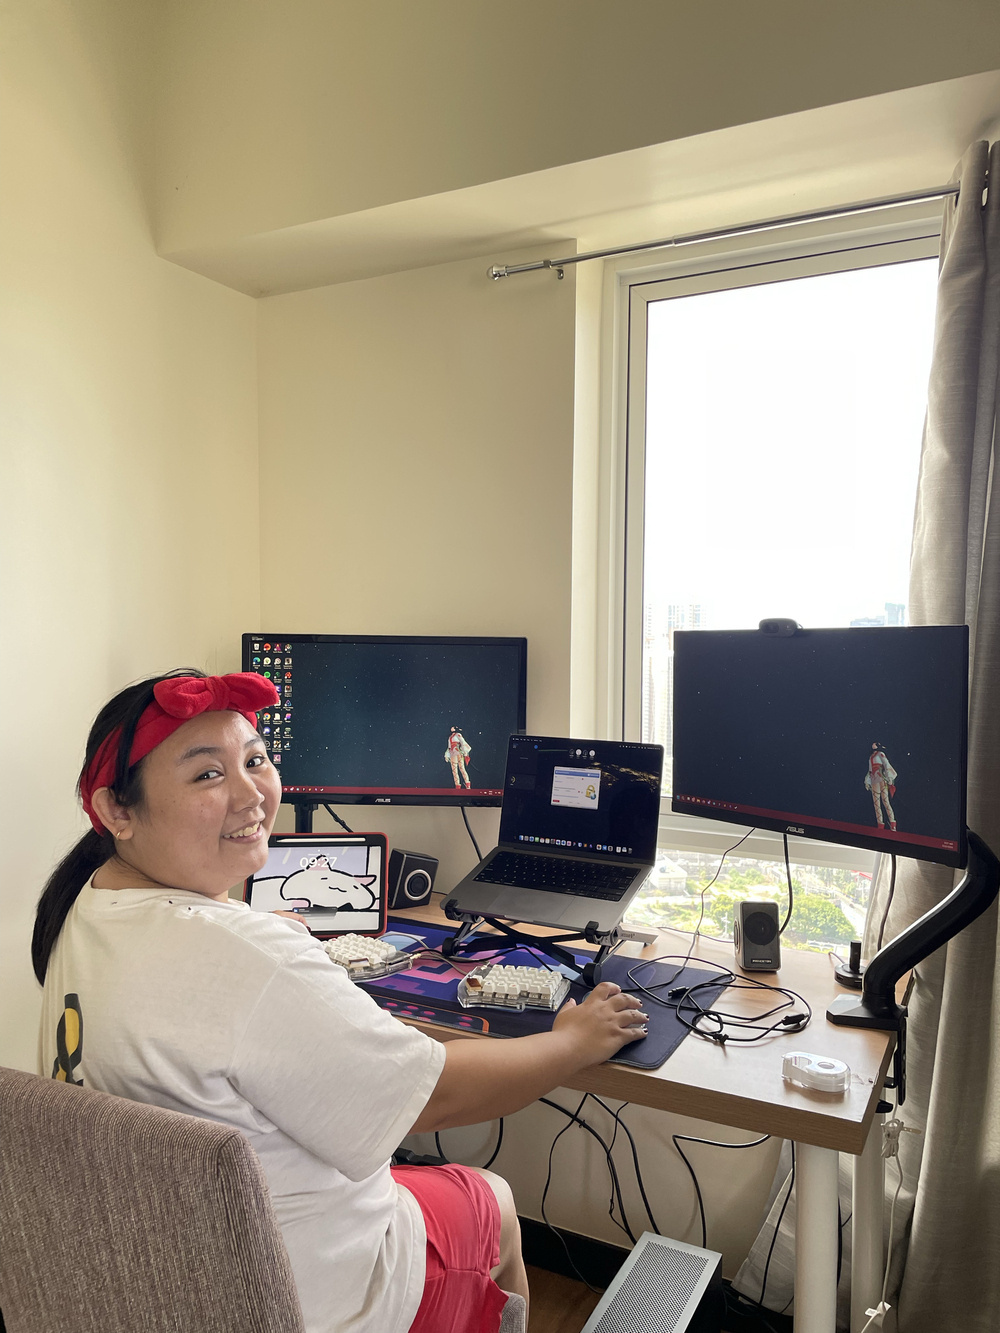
{"type": "Point", "coordinates": [877, 1007]}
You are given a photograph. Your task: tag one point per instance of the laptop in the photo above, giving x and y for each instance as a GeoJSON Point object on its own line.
{"type": "Point", "coordinates": [578, 828]}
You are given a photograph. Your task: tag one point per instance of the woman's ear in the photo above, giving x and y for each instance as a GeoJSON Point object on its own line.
{"type": "Point", "coordinates": [117, 819]}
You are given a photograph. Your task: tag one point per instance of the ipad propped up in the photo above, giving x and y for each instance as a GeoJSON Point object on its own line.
{"type": "Point", "coordinates": [336, 882]}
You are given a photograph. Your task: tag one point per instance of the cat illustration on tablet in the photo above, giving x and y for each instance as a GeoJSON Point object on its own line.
{"type": "Point", "coordinates": [318, 886]}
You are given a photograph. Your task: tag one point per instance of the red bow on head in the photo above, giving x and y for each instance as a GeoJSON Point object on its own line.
{"type": "Point", "coordinates": [175, 701]}
{"type": "Point", "coordinates": [243, 692]}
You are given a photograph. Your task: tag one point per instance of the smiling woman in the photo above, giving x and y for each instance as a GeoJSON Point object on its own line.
{"type": "Point", "coordinates": [210, 797]}
{"type": "Point", "coordinates": [161, 989]}
{"type": "Point", "coordinates": [182, 710]}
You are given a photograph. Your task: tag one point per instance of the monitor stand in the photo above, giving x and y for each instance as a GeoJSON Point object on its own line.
{"type": "Point", "coordinates": [304, 811]}
{"type": "Point", "coordinates": [877, 1007]}
{"type": "Point", "coordinates": [590, 972]}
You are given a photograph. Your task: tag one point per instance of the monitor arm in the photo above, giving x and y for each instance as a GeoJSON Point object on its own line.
{"type": "Point", "coordinates": [877, 1007]}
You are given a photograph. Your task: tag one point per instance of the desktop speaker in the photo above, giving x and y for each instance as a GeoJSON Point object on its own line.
{"type": "Point", "coordinates": [411, 878]}
{"type": "Point", "coordinates": [755, 935]}
{"type": "Point", "coordinates": [664, 1286]}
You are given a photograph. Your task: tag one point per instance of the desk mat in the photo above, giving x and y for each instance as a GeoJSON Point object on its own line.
{"type": "Point", "coordinates": [428, 991]}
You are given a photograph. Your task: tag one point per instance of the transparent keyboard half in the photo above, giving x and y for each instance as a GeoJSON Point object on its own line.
{"type": "Point", "coordinates": [365, 959]}
{"type": "Point", "coordinates": [498, 986]}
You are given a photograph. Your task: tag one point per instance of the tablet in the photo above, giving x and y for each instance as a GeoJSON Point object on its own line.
{"type": "Point", "coordinates": [336, 882]}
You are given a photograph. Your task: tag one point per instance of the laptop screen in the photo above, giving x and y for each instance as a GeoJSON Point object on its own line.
{"type": "Point", "coordinates": [597, 797]}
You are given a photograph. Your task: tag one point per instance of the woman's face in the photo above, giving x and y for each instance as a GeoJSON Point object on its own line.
{"type": "Point", "coordinates": [211, 797]}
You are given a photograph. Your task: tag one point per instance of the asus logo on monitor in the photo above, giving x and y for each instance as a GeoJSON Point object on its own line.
{"type": "Point", "coordinates": [793, 828]}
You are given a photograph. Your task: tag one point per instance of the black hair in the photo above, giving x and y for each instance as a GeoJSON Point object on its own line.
{"type": "Point", "coordinates": [121, 714]}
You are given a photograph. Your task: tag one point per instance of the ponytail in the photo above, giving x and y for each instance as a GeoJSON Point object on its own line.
{"type": "Point", "coordinates": [120, 715]}
{"type": "Point", "coordinates": [62, 890]}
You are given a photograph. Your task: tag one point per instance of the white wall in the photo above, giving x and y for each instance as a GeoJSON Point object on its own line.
{"type": "Point", "coordinates": [285, 112]}
{"type": "Point", "coordinates": [128, 539]}
{"type": "Point", "coordinates": [416, 437]}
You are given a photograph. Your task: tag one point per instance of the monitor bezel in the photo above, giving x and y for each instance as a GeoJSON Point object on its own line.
{"type": "Point", "coordinates": [803, 827]}
{"type": "Point", "coordinates": [338, 796]}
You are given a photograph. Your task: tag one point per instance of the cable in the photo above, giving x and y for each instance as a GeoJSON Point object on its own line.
{"type": "Point", "coordinates": [890, 1148]}
{"type": "Point", "coordinates": [548, 1180]}
{"type": "Point", "coordinates": [496, 1151]}
{"type": "Point", "coordinates": [471, 834]}
{"type": "Point", "coordinates": [692, 1014]}
{"type": "Point", "coordinates": [777, 1228]}
{"type": "Point", "coordinates": [888, 901]}
{"type": "Point", "coordinates": [336, 818]}
{"type": "Point", "coordinates": [880, 1310]}
{"type": "Point", "coordinates": [712, 1143]}
{"type": "Point", "coordinates": [576, 1118]}
{"type": "Point", "coordinates": [493, 1155]}
{"type": "Point", "coordinates": [722, 862]}
{"type": "Point", "coordinates": [616, 1115]}
{"type": "Point", "coordinates": [791, 891]}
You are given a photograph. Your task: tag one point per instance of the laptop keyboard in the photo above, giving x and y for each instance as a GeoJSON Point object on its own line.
{"type": "Point", "coordinates": [585, 879]}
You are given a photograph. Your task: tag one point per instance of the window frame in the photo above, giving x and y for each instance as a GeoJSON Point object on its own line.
{"type": "Point", "coordinates": [630, 285]}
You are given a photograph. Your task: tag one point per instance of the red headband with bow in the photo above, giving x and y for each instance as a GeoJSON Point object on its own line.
{"type": "Point", "coordinates": [175, 701]}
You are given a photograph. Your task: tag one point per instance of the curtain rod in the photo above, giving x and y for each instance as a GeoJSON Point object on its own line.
{"type": "Point", "coordinates": [723, 233]}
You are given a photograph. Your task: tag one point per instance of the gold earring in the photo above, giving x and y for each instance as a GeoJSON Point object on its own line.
{"type": "Point", "coordinates": [120, 834]}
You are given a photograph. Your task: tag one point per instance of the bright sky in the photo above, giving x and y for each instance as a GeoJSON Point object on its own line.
{"type": "Point", "coordinates": [782, 445]}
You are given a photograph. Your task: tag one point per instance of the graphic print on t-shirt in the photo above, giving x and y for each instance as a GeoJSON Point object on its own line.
{"type": "Point", "coordinates": [69, 1042]}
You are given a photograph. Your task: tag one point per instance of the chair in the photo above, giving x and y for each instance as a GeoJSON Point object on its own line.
{"type": "Point", "coordinates": [117, 1217]}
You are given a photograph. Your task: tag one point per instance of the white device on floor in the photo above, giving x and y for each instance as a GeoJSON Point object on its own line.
{"type": "Point", "coordinates": [664, 1286]}
{"type": "Point", "coordinates": [578, 829]}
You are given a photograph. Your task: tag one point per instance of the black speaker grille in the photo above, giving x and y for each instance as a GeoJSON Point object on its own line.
{"type": "Point", "coordinates": [760, 928]}
{"type": "Point", "coordinates": [417, 885]}
{"type": "Point", "coordinates": [655, 1293]}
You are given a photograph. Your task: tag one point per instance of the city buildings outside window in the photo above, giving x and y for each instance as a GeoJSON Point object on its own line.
{"type": "Point", "coordinates": [781, 425]}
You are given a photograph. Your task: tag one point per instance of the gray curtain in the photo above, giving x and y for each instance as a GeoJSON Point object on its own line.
{"type": "Point", "coordinates": [946, 1234]}
{"type": "Point", "coordinates": [947, 1254]}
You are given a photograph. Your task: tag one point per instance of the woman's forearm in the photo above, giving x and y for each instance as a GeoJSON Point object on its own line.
{"type": "Point", "coordinates": [482, 1080]}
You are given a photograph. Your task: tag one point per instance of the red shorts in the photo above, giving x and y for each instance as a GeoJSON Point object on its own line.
{"type": "Point", "coordinates": [462, 1218]}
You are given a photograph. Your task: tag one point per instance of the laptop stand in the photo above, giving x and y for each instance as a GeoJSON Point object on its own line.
{"type": "Point", "coordinates": [590, 972]}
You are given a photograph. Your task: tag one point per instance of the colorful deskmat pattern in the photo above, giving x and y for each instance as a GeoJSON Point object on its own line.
{"type": "Point", "coordinates": [428, 992]}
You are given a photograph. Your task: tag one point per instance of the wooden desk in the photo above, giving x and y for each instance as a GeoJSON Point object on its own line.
{"type": "Point", "coordinates": [742, 1086]}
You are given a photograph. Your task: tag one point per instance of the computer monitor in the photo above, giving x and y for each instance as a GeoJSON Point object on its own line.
{"type": "Point", "coordinates": [390, 720]}
{"type": "Point", "coordinates": [853, 736]}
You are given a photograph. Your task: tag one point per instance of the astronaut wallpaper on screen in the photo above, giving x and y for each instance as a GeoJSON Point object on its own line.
{"type": "Point", "coordinates": [457, 755]}
{"type": "Point", "coordinates": [860, 732]}
{"type": "Point", "coordinates": [377, 719]}
{"type": "Point", "coordinates": [881, 782]}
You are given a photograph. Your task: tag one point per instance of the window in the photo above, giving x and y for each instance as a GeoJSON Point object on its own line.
{"type": "Point", "coordinates": [771, 439]}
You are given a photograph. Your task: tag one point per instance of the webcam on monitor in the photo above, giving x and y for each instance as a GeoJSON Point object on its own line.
{"type": "Point", "coordinates": [780, 627]}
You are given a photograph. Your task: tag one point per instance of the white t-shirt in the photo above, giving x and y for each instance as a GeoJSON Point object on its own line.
{"type": "Point", "coordinates": [240, 1016]}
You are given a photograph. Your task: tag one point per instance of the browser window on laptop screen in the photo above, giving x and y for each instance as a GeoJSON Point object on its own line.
{"type": "Point", "coordinates": [600, 798]}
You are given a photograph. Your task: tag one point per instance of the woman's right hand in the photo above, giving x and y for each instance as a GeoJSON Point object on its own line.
{"type": "Point", "coordinates": [607, 1020]}
{"type": "Point", "coordinates": [483, 1079]}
